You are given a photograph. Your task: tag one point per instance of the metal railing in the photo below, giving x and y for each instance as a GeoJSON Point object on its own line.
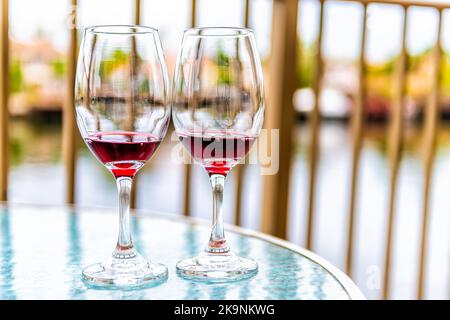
{"type": "Point", "coordinates": [280, 114]}
{"type": "Point", "coordinates": [4, 96]}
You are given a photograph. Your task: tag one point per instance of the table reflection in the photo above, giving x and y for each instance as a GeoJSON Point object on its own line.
{"type": "Point", "coordinates": [317, 281]}
{"type": "Point", "coordinates": [30, 235]}
{"type": "Point", "coordinates": [192, 243]}
{"type": "Point", "coordinates": [136, 234]}
{"type": "Point", "coordinates": [282, 273]}
{"type": "Point", "coordinates": [243, 250]}
{"type": "Point", "coordinates": [74, 255]}
{"type": "Point", "coordinates": [6, 257]}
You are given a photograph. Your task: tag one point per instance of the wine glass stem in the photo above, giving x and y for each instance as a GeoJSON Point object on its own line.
{"type": "Point", "coordinates": [124, 242]}
{"type": "Point", "coordinates": [217, 241]}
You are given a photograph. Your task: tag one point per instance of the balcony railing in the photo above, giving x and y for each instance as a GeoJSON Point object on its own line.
{"type": "Point", "coordinates": [280, 87]}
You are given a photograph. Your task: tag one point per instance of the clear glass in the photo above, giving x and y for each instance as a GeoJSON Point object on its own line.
{"type": "Point", "coordinates": [218, 110]}
{"type": "Point", "coordinates": [121, 100]}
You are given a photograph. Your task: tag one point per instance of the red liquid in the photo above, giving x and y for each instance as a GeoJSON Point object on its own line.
{"type": "Point", "coordinates": [217, 151]}
{"type": "Point", "coordinates": [124, 153]}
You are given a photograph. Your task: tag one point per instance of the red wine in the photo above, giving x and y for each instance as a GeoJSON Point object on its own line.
{"type": "Point", "coordinates": [217, 151]}
{"type": "Point", "coordinates": [124, 153]}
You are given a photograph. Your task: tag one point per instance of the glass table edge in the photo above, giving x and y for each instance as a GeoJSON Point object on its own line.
{"type": "Point", "coordinates": [350, 288]}
{"type": "Point", "coordinates": [353, 292]}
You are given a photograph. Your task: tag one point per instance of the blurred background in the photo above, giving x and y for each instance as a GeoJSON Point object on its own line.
{"type": "Point", "coordinates": [39, 40]}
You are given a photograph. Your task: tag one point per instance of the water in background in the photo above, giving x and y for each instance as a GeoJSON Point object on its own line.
{"type": "Point", "coordinates": [37, 176]}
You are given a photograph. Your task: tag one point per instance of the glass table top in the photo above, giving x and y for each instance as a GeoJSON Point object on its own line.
{"type": "Point", "coordinates": [43, 249]}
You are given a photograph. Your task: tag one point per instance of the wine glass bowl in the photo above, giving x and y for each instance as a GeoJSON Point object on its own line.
{"type": "Point", "coordinates": [123, 114]}
{"type": "Point", "coordinates": [218, 109]}
{"type": "Point", "coordinates": [216, 151]}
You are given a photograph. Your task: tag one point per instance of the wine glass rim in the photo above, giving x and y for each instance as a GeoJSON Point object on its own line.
{"type": "Point", "coordinates": [119, 29]}
{"type": "Point", "coordinates": [218, 32]}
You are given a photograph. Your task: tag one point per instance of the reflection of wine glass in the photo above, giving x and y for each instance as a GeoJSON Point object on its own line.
{"type": "Point", "coordinates": [74, 254]}
{"type": "Point", "coordinates": [122, 114]}
{"type": "Point", "coordinates": [218, 113]}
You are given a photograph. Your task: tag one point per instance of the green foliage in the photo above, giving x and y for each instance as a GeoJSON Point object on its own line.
{"type": "Point", "coordinates": [16, 76]}
{"type": "Point", "coordinates": [385, 69]}
{"type": "Point", "coordinates": [445, 73]}
{"type": "Point", "coordinates": [118, 57]}
{"type": "Point", "coordinates": [144, 86]}
{"type": "Point", "coordinates": [16, 151]}
{"type": "Point", "coordinates": [59, 68]}
{"type": "Point", "coordinates": [305, 64]}
{"type": "Point", "coordinates": [223, 62]}
{"type": "Point", "coordinates": [379, 76]}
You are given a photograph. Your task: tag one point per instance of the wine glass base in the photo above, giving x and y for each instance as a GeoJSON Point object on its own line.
{"type": "Point", "coordinates": [217, 267]}
{"type": "Point", "coordinates": [124, 273]}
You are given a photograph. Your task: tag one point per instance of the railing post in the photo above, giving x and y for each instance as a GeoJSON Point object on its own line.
{"type": "Point", "coordinates": [280, 113]}
{"type": "Point", "coordinates": [394, 150]}
{"type": "Point", "coordinates": [239, 170]}
{"type": "Point", "coordinates": [247, 13]}
{"type": "Point", "coordinates": [315, 127]}
{"type": "Point", "coordinates": [4, 102]}
{"type": "Point", "coordinates": [193, 13]}
{"type": "Point", "coordinates": [69, 130]}
{"type": "Point", "coordinates": [137, 21]}
{"type": "Point", "coordinates": [429, 142]}
{"type": "Point", "coordinates": [187, 167]}
{"type": "Point", "coordinates": [357, 133]}
{"type": "Point", "coordinates": [137, 12]}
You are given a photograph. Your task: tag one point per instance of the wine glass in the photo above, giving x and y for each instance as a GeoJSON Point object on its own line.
{"type": "Point", "coordinates": [218, 111]}
{"type": "Point", "coordinates": [122, 114]}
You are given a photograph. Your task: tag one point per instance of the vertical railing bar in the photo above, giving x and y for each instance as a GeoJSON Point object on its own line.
{"type": "Point", "coordinates": [357, 133]}
{"type": "Point", "coordinates": [429, 148]}
{"type": "Point", "coordinates": [136, 21]}
{"type": "Point", "coordinates": [188, 167]}
{"type": "Point", "coordinates": [315, 126]}
{"type": "Point", "coordinates": [395, 143]}
{"type": "Point", "coordinates": [187, 189]}
{"type": "Point", "coordinates": [69, 137]}
{"type": "Point", "coordinates": [280, 114]}
{"type": "Point", "coordinates": [240, 169]}
{"type": "Point", "coordinates": [247, 13]}
{"type": "Point", "coordinates": [193, 13]}
{"type": "Point", "coordinates": [137, 12]}
{"type": "Point", "coordinates": [4, 101]}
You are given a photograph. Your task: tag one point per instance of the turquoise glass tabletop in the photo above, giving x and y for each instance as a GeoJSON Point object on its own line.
{"type": "Point", "coordinates": [43, 249]}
